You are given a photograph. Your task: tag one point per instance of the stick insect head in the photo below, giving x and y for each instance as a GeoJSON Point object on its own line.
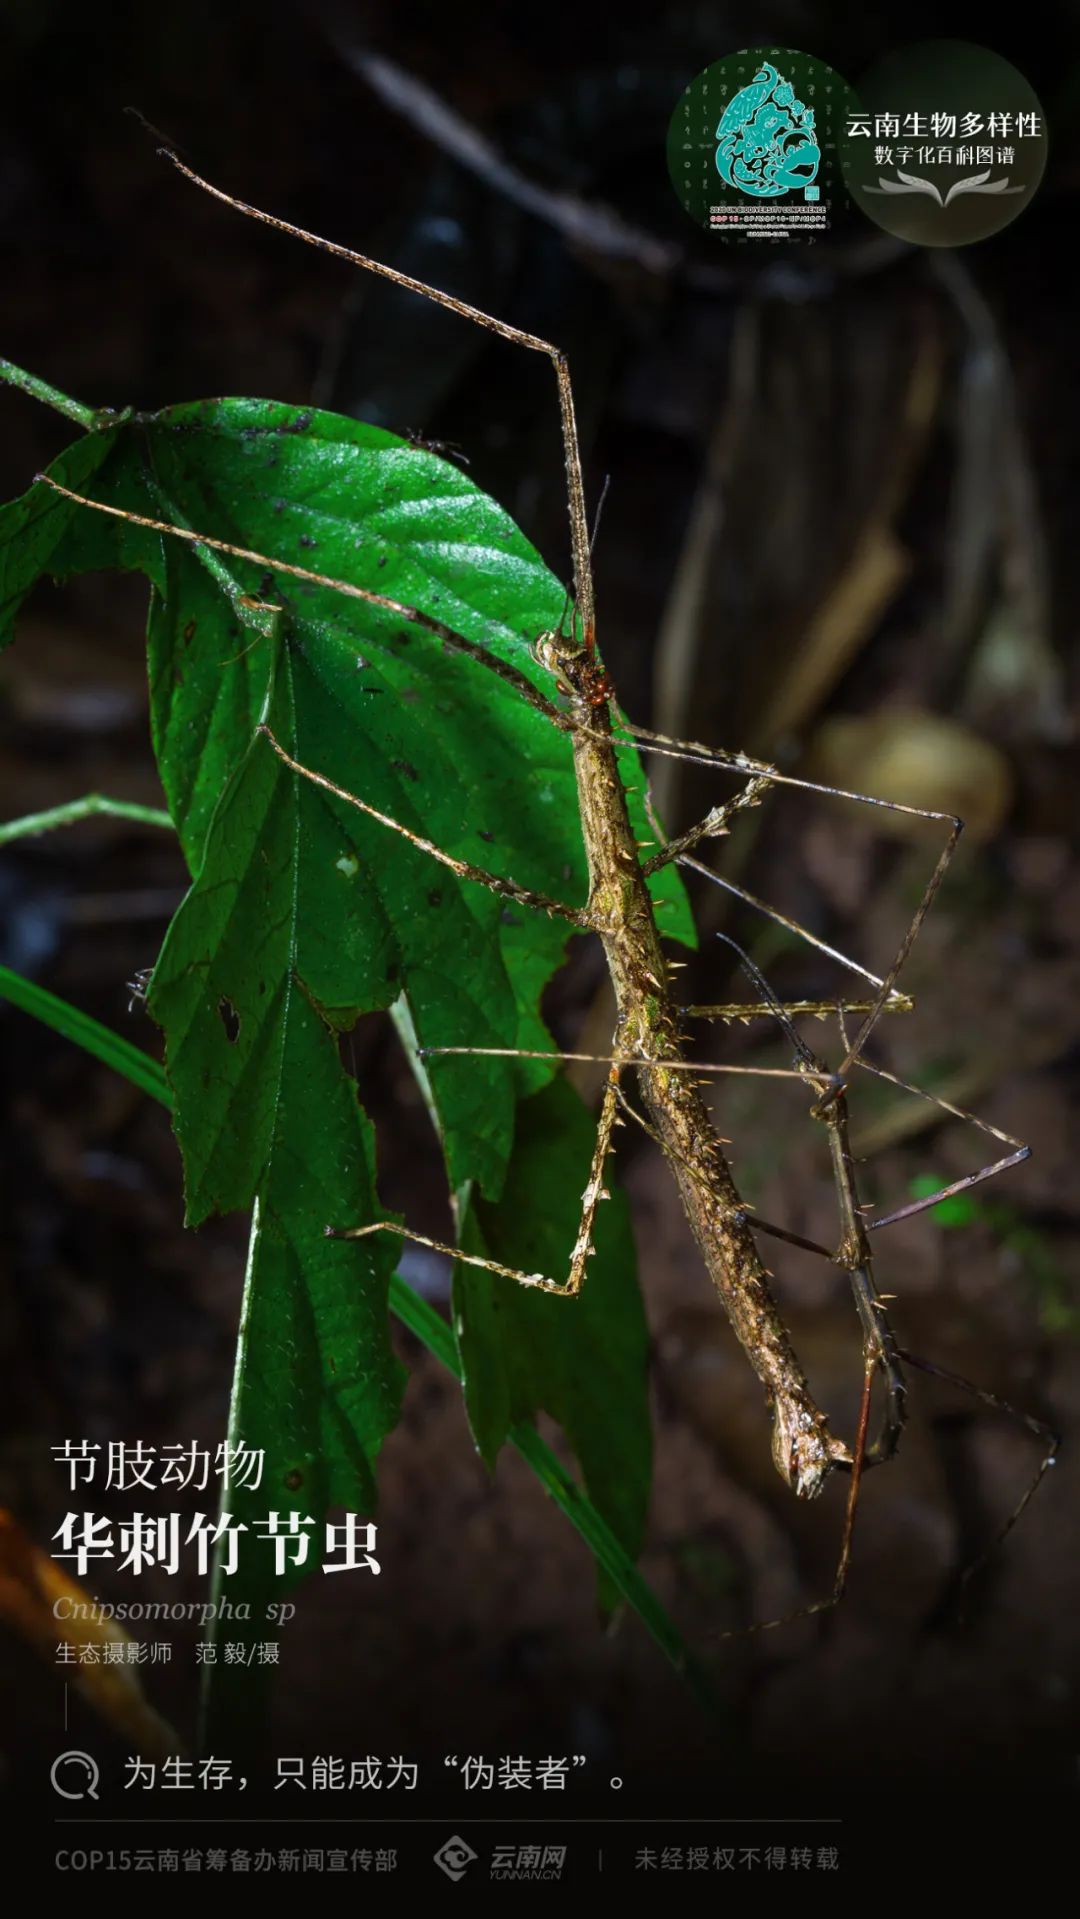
{"type": "Point", "coordinates": [573, 661]}
{"type": "Point", "coordinates": [556, 648]}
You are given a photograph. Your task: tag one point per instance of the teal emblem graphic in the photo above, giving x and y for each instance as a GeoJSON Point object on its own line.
{"type": "Point", "coordinates": [766, 142]}
{"type": "Point", "coordinates": [752, 148]}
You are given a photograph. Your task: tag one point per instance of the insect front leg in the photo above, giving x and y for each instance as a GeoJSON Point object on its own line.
{"type": "Point", "coordinates": [697, 754]}
{"type": "Point", "coordinates": [714, 826]}
{"type": "Point", "coordinates": [1020, 1152]}
{"type": "Point", "coordinates": [575, 487]}
{"type": "Point", "coordinates": [506, 889]}
{"type": "Point", "coordinates": [582, 1250]}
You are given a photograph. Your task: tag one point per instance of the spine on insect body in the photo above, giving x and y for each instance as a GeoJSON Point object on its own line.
{"type": "Point", "coordinates": [620, 908]}
{"type": "Point", "coordinates": [804, 1452]}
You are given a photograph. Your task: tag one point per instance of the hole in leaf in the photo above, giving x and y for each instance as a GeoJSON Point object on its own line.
{"type": "Point", "coordinates": [230, 1019]}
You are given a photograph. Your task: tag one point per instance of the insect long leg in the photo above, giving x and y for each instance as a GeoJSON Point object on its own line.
{"type": "Point", "coordinates": [859, 1460]}
{"type": "Point", "coordinates": [1020, 1152]}
{"type": "Point", "coordinates": [871, 1010]}
{"type": "Point", "coordinates": [1041, 1431]}
{"type": "Point", "coordinates": [894, 1003]}
{"type": "Point", "coordinates": [713, 826]}
{"type": "Point", "coordinates": [507, 889]}
{"type": "Point", "coordinates": [746, 1010]}
{"type": "Point", "coordinates": [879, 1347]}
{"type": "Point", "coordinates": [857, 1227]}
{"type": "Point", "coordinates": [455, 642]}
{"type": "Point", "coordinates": [881, 1351]}
{"type": "Point", "coordinates": [522, 895]}
{"type": "Point", "coordinates": [582, 1251]}
{"type": "Point", "coordinates": [90, 806]}
{"type": "Point", "coordinates": [1049, 1439]}
{"type": "Point", "coordinates": [697, 754]}
{"type": "Point", "coordinates": [579, 526]}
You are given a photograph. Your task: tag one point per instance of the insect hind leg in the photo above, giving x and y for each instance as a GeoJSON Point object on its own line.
{"type": "Point", "coordinates": [1048, 1438]}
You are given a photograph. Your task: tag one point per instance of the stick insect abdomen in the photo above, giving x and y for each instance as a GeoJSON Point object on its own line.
{"type": "Point", "coordinates": [621, 911]}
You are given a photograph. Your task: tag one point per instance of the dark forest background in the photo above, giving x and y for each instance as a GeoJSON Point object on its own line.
{"type": "Point", "coordinates": [842, 513]}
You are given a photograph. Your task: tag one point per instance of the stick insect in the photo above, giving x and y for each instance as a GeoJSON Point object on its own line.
{"type": "Point", "coordinates": [649, 1037]}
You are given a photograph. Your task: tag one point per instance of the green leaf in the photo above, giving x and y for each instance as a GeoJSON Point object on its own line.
{"type": "Point", "coordinates": [43, 533]}
{"type": "Point", "coordinates": [304, 913]}
{"type": "Point", "coordinates": [320, 1384]}
{"type": "Point", "coordinates": [315, 1385]}
{"type": "Point", "coordinates": [413, 1311]}
{"type": "Point", "coordinates": [582, 1360]}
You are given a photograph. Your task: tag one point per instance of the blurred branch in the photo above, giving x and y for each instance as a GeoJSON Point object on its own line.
{"type": "Point", "coordinates": [682, 627]}
{"type": "Point", "coordinates": [997, 593]}
{"type": "Point", "coordinates": [873, 570]}
{"type": "Point", "coordinates": [597, 228]}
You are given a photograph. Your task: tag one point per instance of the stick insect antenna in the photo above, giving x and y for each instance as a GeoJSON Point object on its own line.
{"type": "Point", "coordinates": [604, 491]}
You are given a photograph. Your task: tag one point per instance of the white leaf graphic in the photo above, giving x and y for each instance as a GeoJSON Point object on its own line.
{"type": "Point", "coordinates": [975, 183]}
{"type": "Point", "coordinates": [910, 185]}
{"type": "Point", "coordinates": [914, 185]}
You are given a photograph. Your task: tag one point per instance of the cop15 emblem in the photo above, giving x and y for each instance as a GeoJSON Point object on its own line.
{"type": "Point", "coordinates": [766, 139]}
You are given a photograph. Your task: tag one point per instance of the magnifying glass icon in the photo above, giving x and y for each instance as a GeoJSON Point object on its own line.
{"type": "Point", "coordinates": [80, 1774]}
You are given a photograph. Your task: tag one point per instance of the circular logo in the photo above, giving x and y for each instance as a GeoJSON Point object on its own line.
{"type": "Point", "coordinates": [752, 145]}
{"type": "Point", "coordinates": [75, 1775]}
{"type": "Point", "coordinates": [945, 145]}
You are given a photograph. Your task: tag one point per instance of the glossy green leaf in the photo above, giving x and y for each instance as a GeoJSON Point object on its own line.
{"type": "Point", "coordinates": [583, 1360]}
{"type": "Point", "coordinates": [304, 913]}
{"type": "Point", "coordinates": [413, 1311]}
{"type": "Point", "coordinates": [42, 533]}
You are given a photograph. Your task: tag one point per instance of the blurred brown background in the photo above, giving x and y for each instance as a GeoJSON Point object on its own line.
{"type": "Point", "coordinates": [842, 511]}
